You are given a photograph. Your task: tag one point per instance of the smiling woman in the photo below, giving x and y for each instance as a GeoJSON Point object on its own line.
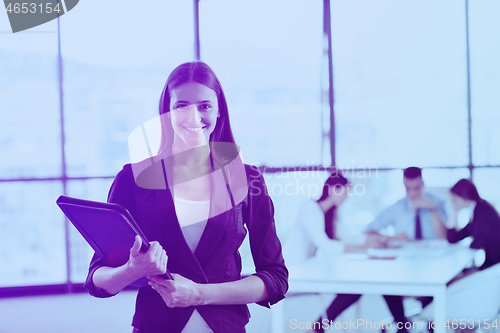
{"type": "Point", "coordinates": [194, 84]}
{"type": "Point", "coordinates": [193, 117]}
{"type": "Point", "coordinates": [197, 209]}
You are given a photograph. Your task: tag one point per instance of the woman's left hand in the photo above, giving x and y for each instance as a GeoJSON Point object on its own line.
{"type": "Point", "coordinates": [177, 293]}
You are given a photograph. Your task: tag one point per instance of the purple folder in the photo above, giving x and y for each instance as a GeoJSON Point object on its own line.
{"type": "Point", "coordinates": [108, 228]}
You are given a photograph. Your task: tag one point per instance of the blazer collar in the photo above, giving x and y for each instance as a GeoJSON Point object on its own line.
{"type": "Point", "coordinates": [219, 216]}
{"type": "Point", "coordinates": [220, 211]}
{"type": "Point", "coordinates": [172, 233]}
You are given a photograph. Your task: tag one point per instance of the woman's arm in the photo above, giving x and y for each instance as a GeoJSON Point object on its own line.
{"type": "Point", "coordinates": [248, 290]}
{"type": "Point", "coordinates": [113, 279]}
{"type": "Point", "coordinates": [182, 292]}
{"type": "Point", "coordinates": [454, 236]}
{"type": "Point", "coordinates": [438, 224]}
{"type": "Point", "coordinates": [265, 246]}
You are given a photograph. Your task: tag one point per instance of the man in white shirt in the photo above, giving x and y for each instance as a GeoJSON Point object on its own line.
{"type": "Point", "coordinates": [418, 215]}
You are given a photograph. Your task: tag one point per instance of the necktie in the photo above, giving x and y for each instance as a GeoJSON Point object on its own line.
{"type": "Point", "coordinates": [418, 227]}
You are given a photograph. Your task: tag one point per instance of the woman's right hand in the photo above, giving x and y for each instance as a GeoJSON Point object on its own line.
{"type": "Point", "coordinates": [140, 264]}
{"type": "Point", "coordinates": [150, 263]}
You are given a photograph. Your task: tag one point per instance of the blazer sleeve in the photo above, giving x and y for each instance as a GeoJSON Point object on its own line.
{"type": "Point", "coordinates": [454, 236]}
{"type": "Point", "coordinates": [258, 215]}
{"type": "Point", "coordinates": [120, 193]}
{"type": "Point", "coordinates": [484, 221]}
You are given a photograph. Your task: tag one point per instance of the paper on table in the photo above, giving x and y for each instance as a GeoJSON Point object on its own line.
{"type": "Point", "coordinates": [357, 256]}
{"type": "Point", "coordinates": [383, 253]}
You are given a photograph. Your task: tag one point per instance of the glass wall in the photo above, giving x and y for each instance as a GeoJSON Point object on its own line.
{"type": "Point", "coordinates": [485, 81]}
{"type": "Point", "coordinates": [29, 95]}
{"type": "Point", "coordinates": [400, 82]}
{"type": "Point", "coordinates": [113, 71]}
{"type": "Point", "coordinates": [114, 75]}
{"type": "Point", "coordinates": [270, 69]}
{"type": "Point", "coordinates": [32, 243]}
{"type": "Point", "coordinates": [33, 249]}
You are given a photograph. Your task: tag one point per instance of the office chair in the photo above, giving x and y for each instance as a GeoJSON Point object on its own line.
{"type": "Point", "coordinates": [475, 297]}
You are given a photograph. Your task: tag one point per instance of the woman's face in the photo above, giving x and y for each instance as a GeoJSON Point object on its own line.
{"type": "Point", "coordinates": [338, 194]}
{"type": "Point", "coordinates": [458, 202]}
{"type": "Point", "coordinates": [193, 113]}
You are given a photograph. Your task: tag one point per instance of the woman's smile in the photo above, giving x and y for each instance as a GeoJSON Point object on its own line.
{"type": "Point", "coordinates": [194, 110]}
{"type": "Point", "coordinates": [195, 128]}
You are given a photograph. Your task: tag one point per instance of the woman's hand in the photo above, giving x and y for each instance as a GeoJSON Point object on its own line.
{"type": "Point", "coordinates": [177, 293]}
{"type": "Point", "coordinates": [114, 279]}
{"type": "Point", "coordinates": [152, 262]}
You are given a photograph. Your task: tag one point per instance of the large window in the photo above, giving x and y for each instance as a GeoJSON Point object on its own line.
{"type": "Point", "coordinates": [400, 80]}
{"type": "Point", "coordinates": [270, 68]}
{"type": "Point", "coordinates": [114, 75]}
{"type": "Point", "coordinates": [410, 78]}
{"type": "Point", "coordinates": [29, 97]}
{"type": "Point", "coordinates": [115, 61]}
{"type": "Point", "coordinates": [32, 249]}
{"type": "Point", "coordinates": [485, 81]}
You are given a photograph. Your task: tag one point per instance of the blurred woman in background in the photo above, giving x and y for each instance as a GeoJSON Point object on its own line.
{"type": "Point", "coordinates": [315, 233]}
{"type": "Point", "coordinates": [315, 229]}
{"type": "Point", "coordinates": [484, 223]}
{"type": "Point", "coordinates": [483, 227]}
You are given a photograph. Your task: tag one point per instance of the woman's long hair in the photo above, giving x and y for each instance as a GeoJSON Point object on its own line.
{"type": "Point", "coordinates": [334, 180]}
{"type": "Point", "coordinates": [197, 71]}
{"type": "Point", "coordinates": [466, 189]}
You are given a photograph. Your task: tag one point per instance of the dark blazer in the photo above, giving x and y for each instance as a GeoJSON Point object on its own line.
{"type": "Point", "coordinates": [485, 231]}
{"type": "Point", "coordinates": [215, 260]}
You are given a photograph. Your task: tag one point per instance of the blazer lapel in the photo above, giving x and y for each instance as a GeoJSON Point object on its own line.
{"type": "Point", "coordinates": [172, 233]}
{"type": "Point", "coordinates": [220, 210]}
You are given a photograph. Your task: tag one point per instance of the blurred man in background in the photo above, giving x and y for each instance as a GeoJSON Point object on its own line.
{"type": "Point", "coordinates": [419, 215]}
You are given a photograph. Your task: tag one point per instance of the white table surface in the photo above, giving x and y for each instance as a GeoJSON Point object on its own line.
{"type": "Point", "coordinates": [420, 269]}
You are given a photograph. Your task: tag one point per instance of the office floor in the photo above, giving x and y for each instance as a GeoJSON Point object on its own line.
{"type": "Point", "coordinates": [75, 313]}
{"type": "Point", "coordinates": [81, 313]}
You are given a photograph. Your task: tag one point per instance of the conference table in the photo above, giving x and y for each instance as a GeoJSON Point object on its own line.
{"type": "Point", "coordinates": [420, 268]}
